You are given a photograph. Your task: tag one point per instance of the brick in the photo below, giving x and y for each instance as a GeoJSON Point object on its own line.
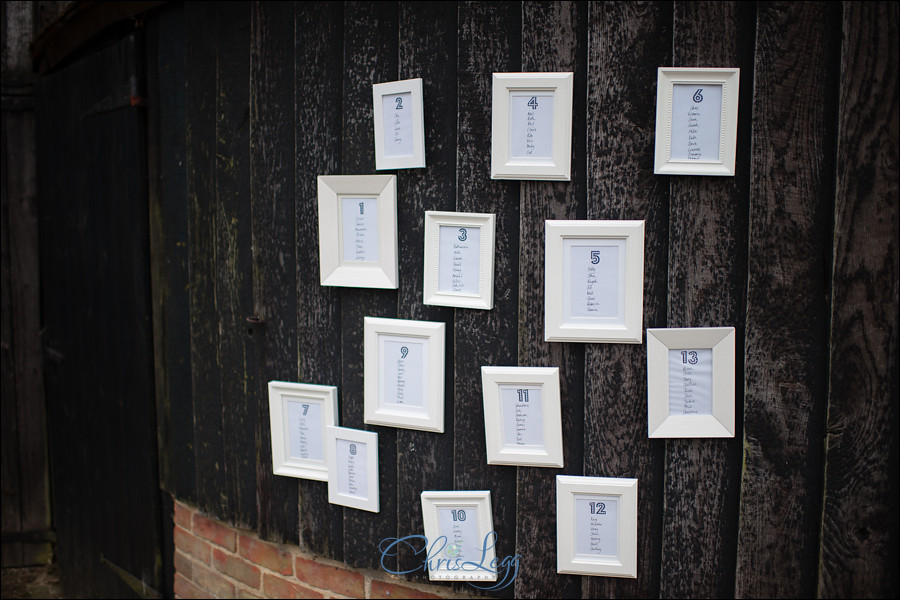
{"type": "Point", "coordinates": [191, 545]}
{"type": "Point", "coordinates": [266, 555]}
{"type": "Point", "coordinates": [278, 587]}
{"type": "Point", "coordinates": [215, 532]}
{"type": "Point", "coordinates": [236, 567]}
{"type": "Point", "coordinates": [331, 578]}
{"type": "Point", "coordinates": [244, 594]}
{"type": "Point", "coordinates": [186, 589]}
{"type": "Point", "coordinates": [183, 516]}
{"type": "Point", "coordinates": [214, 583]}
{"type": "Point", "coordinates": [183, 565]}
{"type": "Point", "coordinates": [385, 589]}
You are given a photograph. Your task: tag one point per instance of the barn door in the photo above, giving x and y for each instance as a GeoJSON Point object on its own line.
{"type": "Point", "coordinates": [95, 278]}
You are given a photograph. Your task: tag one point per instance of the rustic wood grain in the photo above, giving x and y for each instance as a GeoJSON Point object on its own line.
{"type": "Point", "coordinates": [786, 362]}
{"type": "Point", "coordinates": [707, 282]}
{"type": "Point", "coordinates": [489, 41]}
{"type": "Point", "coordinates": [370, 56]}
{"type": "Point", "coordinates": [272, 205]}
{"type": "Point", "coordinates": [859, 542]}
{"type": "Point", "coordinates": [318, 113]}
{"type": "Point", "coordinates": [554, 39]}
{"type": "Point", "coordinates": [627, 43]}
{"type": "Point", "coordinates": [234, 267]}
{"type": "Point", "coordinates": [427, 46]}
{"type": "Point", "coordinates": [200, 103]}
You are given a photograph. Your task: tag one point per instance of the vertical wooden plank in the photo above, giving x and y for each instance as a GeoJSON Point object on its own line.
{"type": "Point", "coordinates": [627, 43]}
{"type": "Point", "coordinates": [274, 247]}
{"type": "Point", "coordinates": [554, 39]}
{"type": "Point", "coordinates": [427, 40]}
{"type": "Point", "coordinates": [169, 252]}
{"type": "Point", "coordinates": [489, 41]}
{"type": "Point", "coordinates": [370, 56]}
{"type": "Point", "coordinates": [318, 64]}
{"type": "Point", "coordinates": [707, 279]}
{"type": "Point", "coordinates": [200, 129]}
{"type": "Point", "coordinates": [787, 299]}
{"type": "Point", "coordinates": [859, 545]}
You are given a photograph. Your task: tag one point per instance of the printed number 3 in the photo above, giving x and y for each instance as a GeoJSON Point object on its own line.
{"type": "Point", "coordinates": [595, 257]}
{"type": "Point", "coordinates": [533, 102]}
{"type": "Point", "coordinates": [689, 356]}
{"type": "Point", "coordinates": [462, 234]}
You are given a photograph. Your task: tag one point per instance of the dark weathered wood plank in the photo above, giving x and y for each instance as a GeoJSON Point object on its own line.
{"type": "Point", "coordinates": [370, 56]}
{"type": "Point", "coordinates": [554, 39]}
{"type": "Point", "coordinates": [627, 43]}
{"type": "Point", "coordinates": [859, 543]}
{"type": "Point", "coordinates": [169, 247]}
{"type": "Point", "coordinates": [426, 47]}
{"type": "Point", "coordinates": [200, 131]}
{"type": "Point", "coordinates": [489, 41]}
{"type": "Point", "coordinates": [707, 283]}
{"type": "Point", "coordinates": [786, 362]}
{"type": "Point", "coordinates": [318, 113]}
{"type": "Point", "coordinates": [272, 204]}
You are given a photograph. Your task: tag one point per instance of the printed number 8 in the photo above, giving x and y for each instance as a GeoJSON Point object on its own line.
{"type": "Point", "coordinates": [353, 449]}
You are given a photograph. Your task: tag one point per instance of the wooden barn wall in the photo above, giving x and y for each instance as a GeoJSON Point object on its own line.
{"type": "Point", "coordinates": [798, 251]}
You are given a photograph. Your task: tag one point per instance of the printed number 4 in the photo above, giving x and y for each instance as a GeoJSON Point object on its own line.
{"type": "Point", "coordinates": [689, 356]}
{"type": "Point", "coordinates": [533, 102]}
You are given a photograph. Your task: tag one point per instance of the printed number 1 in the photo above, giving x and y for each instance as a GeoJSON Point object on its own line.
{"type": "Point", "coordinates": [361, 205]}
{"type": "Point", "coordinates": [305, 408]}
{"type": "Point", "coordinates": [533, 102]}
{"type": "Point", "coordinates": [689, 356]}
{"type": "Point", "coordinates": [458, 515]}
{"type": "Point", "coordinates": [595, 257]}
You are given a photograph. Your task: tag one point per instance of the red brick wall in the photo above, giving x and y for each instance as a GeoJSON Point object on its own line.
{"type": "Point", "coordinates": [213, 559]}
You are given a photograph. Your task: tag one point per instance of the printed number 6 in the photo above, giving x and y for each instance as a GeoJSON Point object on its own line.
{"type": "Point", "coordinates": [698, 97]}
{"type": "Point", "coordinates": [595, 257]}
{"type": "Point", "coordinates": [462, 234]}
{"type": "Point", "coordinates": [399, 102]}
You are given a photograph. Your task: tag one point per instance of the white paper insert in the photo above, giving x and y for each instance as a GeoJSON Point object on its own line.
{"type": "Point", "coordinates": [523, 421]}
{"type": "Point", "coordinates": [403, 376]}
{"type": "Point", "coordinates": [596, 526]}
{"type": "Point", "coordinates": [594, 278]}
{"type": "Point", "coordinates": [398, 129]}
{"type": "Point", "coordinates": [460, 527]}
{"type": "Point", "coordinates": [359, 219]}
{"type": "Point", "coordinates": [531, 125]}
{"type": "Point", "coordinates": [459, 250]}
{"type": "Point", "coordinates": [304, 430]}
{"type": "Point", "coordinates": [696, 121]}
{"type": "Point", "coordinates": [690, 382]}
{"type": "Point", "coordinates": [352, 468]}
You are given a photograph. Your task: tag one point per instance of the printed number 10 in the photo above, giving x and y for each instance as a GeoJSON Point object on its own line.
{"type": "Point", "coordinates": [458, 515]}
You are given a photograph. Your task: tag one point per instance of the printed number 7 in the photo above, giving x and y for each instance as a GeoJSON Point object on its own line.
{"type": "Point", "coordinates": [595, 257]}
{"type": "Point", "coordinates": [305, 408]}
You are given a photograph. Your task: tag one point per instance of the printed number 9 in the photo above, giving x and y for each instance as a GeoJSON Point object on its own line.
{"type": "Point", "coordinates": [598, 508]}
{"type": "Point", "coordinates": [533, 102]}
{"type": "Point", "coordinates": [595, 257]}
{"type": "Point", "coordinates": [458, 515]}
{"type": "Point", "coordinates": [689, 356]}
{"type": "Point", "coordinates": [403, 351]}
{"type": "Point", "coordinates": [353, 449]}
{"type": "Point", "coordinates": [698, 97]}
{"type": "Point", "coordinates": [462, 234]}
{"type": "Point", "coordinates": [399, 102]}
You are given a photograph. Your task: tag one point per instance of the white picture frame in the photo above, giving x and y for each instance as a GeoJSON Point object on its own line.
{"type": "Point", "coordinates": [696, 121]}
{"type": "Point", "coordinates": [360, 251]}
{"type": "Point", "coordinates": [348, 452]}
{"type": "Point", "coordinates": [690, 382]}
{"type": "Point", "coordinates": [588, 301]}
{"type": "Point", "coordinates": [403, 367]}
{"type": "Point", "coordinates": [529, 139]}
{"type": "Point", "coordinates": [522, 416]}
{"type": "Point", "coordinates": [457, 271]}
{"type": "Point", "coordinates": [399, 124]}
{"type": "Point", "coordinates": [459, 527]}
{"type": "Point", "coordinates": [596, 526]}
{"type": "Point", "coordinates": [299, 413]}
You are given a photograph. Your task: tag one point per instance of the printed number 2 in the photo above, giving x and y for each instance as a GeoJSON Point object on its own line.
{"type": "Point", "coordinates": [595, 257]}
{"type": "Point", "coordinates": [689, 356]}
{"type": "Point", "coordinates": [523, 395]}
{"type": "Point", "coordinates": [533, 102]}
{"type": "Point", "coordinates": [305, 408]}
{"type": "Point", "coordinates": [399, 102]}
{"type": "Point", "coordinates": [458, 515]}
{"type": "Point", "coordinates": [598, 508]}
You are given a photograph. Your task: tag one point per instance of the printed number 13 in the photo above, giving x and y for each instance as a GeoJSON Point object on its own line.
{"type": "Point", "coordinates": [689, 356]}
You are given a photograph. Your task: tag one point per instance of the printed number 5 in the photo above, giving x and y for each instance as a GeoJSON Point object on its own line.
{"type": "Point", "coordinates": [533, 102]}
{"type": "Point", "coordinates": [595, 257]}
